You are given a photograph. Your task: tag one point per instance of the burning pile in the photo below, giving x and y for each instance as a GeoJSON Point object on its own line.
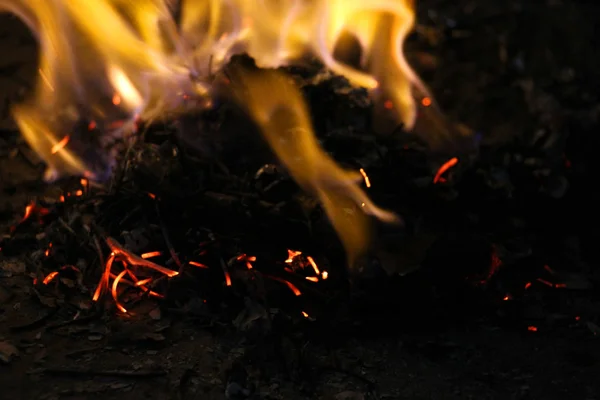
{"type": "Point", "coordinates": [146, 60]}
{"type": "Point", "coordinates": [153, 111]}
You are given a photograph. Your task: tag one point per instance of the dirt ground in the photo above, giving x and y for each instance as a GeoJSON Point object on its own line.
{"type": "Point", "coordinates": [154, 356]}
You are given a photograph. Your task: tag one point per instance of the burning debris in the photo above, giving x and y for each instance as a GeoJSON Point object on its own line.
{"type": "Point", "coordinates": [227, 176]}
{"type": "Point", "coordinates": [183, 65]}
{"type": "Point", "coordinates": [150, 61]}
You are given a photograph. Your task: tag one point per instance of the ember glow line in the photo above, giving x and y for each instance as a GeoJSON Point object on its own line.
{"type": "Point", "coordinates": [115, 286]}
{"type": "Point", "coordinates": [50, 277]}
{"type": "Point", "coordinates": [197, 264]}
{"type": "Point", "coordinates": [133, 259]}
{"type": "Point", "coordinates": [291, 255]}
{"type": "Point", "coordinates": [151, 254]}
{"type": "Point", "coordinates": [313, 264]}
{"type": "Point", "coordinates": [103, 284]}
{"type": "Point", "coordinates": [445, 167]}
{"type": "Point", "coordinates": [289, 284]}
{"type": "Point", "coordinates": [366, 178]}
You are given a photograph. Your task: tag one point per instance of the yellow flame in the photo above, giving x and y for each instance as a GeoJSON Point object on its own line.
{"type": "Point", "coordinates": [116, 60]}
{"type": "Point", "coordinates": [285, 123]}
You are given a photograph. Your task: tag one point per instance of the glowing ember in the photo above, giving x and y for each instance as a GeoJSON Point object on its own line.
{"type": "Point", "coordinates": [445, 167]}
{"type": "Point", "coordinates": [197, 264]}
{"type": "Point", "coordinates": [313, 264]}
{"type": "Point", "coordinates": [134, 260]}
{"type": "Point", "coordinates": [151, 254]}
{"type": "Point", "coordinates": [366, 178]}
{"type": "Point", "coordinates": [103, 284]}
{"type": "Point", "coordinates": [289, 284]}
{"type": "Point", "coordinates": [127, 259]}
{"type": "Point", "coordinates": [60, 145]}
{"type": "Point", "coordinates": [247, 259]}
{"type": "Point", "coordinates": [50, 277]}
{"type": "Point", "coordinates": [292, 255]}
{"type": "Point", "coordinates": [47, 252]}
{"type": "Point", "coordinates": [28, 211]}
{"type": "Point", "coordinates": [114, 290]}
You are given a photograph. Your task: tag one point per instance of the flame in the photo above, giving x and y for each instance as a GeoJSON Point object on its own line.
{"type": "Point", "coordinates": [106, 58]}
{"type": "Point", "coordinates": [285, 123]}
{"type": "Point", "coordinates": [105, 64]}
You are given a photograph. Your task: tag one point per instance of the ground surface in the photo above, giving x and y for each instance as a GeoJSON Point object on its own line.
{"type": "Point", "coordinates": [485, 67]}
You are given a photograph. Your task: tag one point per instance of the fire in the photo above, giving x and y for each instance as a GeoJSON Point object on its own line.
{"type": "Point", "coordinates": [285, 123]}
{"type": "Point", "coordinates": [114, 62]}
